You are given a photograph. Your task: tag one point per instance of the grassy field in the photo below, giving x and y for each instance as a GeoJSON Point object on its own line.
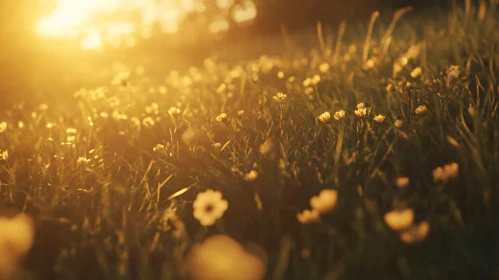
{"type": "Point", "coordinates": [402, 186]}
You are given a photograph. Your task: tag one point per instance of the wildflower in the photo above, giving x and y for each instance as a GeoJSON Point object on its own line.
{"type": "Point", "coordinates": [291, 79]}
{"type": "Point", "coordinates": [209, 207]}
{"type": "Point", "coordinates": [16, 238]}
{"type": "Point", "coordinates": [324, 117]}
{"type": "Point", "coordinates": [415, 233]}
{"type": "Point", "coordinates": [309, 90]}
{"type": "Point", "coordinates": [339, 115]}
{"type": "Point", "coordinates": [399, 219]}
{"type": "Point", "coordinates": [43, 107]}
{"type": "Point", "coordinates": [251, 176]}
{"type": "Point", "coordinates": [174, 111]}
{"type": "Point", "coordinates": [4, 155]}
{"type": "Point", "coordinates": [148, 122]}
{"type": "Point", "coordinates": [361, 105]}
{"type": "Point", "coordinates": [307, 82]}
{"type": "Point", "coordinates": [370, 64]}
{"type": "Point", "coordinates": [104, 115]}
{"type": "Point", "coordinates": [324, 67]}
{"type": "Point", "coordinates": [3, 127]}
{"type": "Point", "coordinates": [266, 147]}
{"type": "Point", "coordinates": [279, 97]}
{"type": "Point", "coordinates": [217, 145]}
{"type": "Point", "coordinates": [316, 79]}
{"type": "Point", "coordinates": [240, 112]}
{"type": "Point", "coordinates": [446, 173]}
{"type": "Point", "coordinates": [222, 117]}
{"type": "Point", "coordinates": [158, 148]}
{"type": "Point", "coordinates": [416, 72]}
{"type": "Point", "coordinates": [362, 112]}
{"type": "Point", "coordinates": [325, 202]}
{"type": "Point", "coordinates": [71, 130]}
{"type": "Point", "coordinates": [399, 123]}
{"type": "Point", "coordinates": [20, 124]}
{"type": "Point", "coordinates": [82, 161]}
{"type": "Point", "coordinates": [420, 110]}
{"type": "Point", "coordinates": [221, 257]}
{"type": "Point", "coordinates": [308, 216]}
{"type": "Point", "coordinates": [471, 111]}
{"type": "Point", "coordinates": [280, 75]}
{"type": "Point", "coordinates": [402, 182]}
{"type": "Point", "coordinates": [379, 119]}
{"type": "Point", "coordinates": [389, 88]}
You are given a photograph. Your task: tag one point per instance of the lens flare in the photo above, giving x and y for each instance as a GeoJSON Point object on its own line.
{"type": "Point", "coordinates": [95, 23]}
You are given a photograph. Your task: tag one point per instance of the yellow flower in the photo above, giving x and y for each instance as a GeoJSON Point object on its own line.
{"type": "Point", "coordinates": [82, 161]}
{"type": "Point", "coordinates": [158, 148]}
{"type": "Point", "coordinates": [221, 257]}
{"type": "Point", "coordinates": [446, 173]}
{"type": "Point", "coordinates": [16, 238]}
{"type": "Point", "coordinates": [339, 115]}
{"type": "Point", "coordinates": [389, 88]}
{"type": "Point", "coordinates": [325, 202]}
{"type": "Point", "coordinates": [222, 117]}
{"type": "Point", "coordinates": [217, 145]}
{"type": "Point", "coordinates": [148, 122]}
{"type": "Point", "coordinates": [324, 117]}
{"type": "Point", "coordinates": [420, 110]}
{"type": "Point", "coordinates": [4, 155]}
{"type": "Point", "coordinates": [379, 119]}
{"type": "Point", "coordinates": [415, 233]}
{"type": "Point", "coordinates": [324, 67]}
{"type": "Point", "coordinates": [399, 123]}
{"type": "Point", "coordinates": [3, 127]}
{"type": "Point", "coordinates": [399, 219]}
{"type": "Point", "coordinates": [361, 105]}
{"type": "Point", "coordinates": [402, 182]}
{"type": "Point", "coordinates": [251, 176]}
{"type": "Point", "coordinates": [308, 216]}
{"type": "Point", "coordinates": [279, 97]}
{"type": "Point", "coordinates": [361, 112]}
{"type": "Point", "coordinates": [174, 111]}
{"type": "Point", "coordinates": [309, 90]}
{"type": "Point", "coordinates": [316, 79]}
{"type": "Point", "coordinates": [209, 207]}
{"type": "Point", "coordinates": [416, 72]}
{"type": "Point", "coordinates": [280, 75]}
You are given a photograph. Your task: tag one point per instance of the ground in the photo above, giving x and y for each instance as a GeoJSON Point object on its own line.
{"type": "Point", "coordinates": [110, 175]}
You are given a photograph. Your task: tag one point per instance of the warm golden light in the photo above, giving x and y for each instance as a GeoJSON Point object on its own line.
{"type": "Point", "coordinates": [95, 23]}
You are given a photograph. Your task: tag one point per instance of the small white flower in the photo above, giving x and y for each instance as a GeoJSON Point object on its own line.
{"type": "Point", "coordinates": [279, 97]}
{"type": "Point", "coordinates": [158, 148]}
{"type": "Point", "coordinates": [82, 161]}
{"type": "Point", "coordinates": [209, 207]}
{"type": "Point", "coordinates": [222, 117]}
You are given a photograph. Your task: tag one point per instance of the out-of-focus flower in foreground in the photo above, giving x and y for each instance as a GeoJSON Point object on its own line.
{"type": "Point", "coordinates": [16, 238]}
{"type": "Point", "coordinates": [324, 117]}
{"type": "Point", "coordinates": [325, 202]}
{"type": "Point", "coordinates": [446, 172]}
{"type": "Point", "coordinates": [399, 219]}
{"type": "Point", "coordinates": [221, 257]}
{"type": "Point", "coordinates": [209, 207]}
